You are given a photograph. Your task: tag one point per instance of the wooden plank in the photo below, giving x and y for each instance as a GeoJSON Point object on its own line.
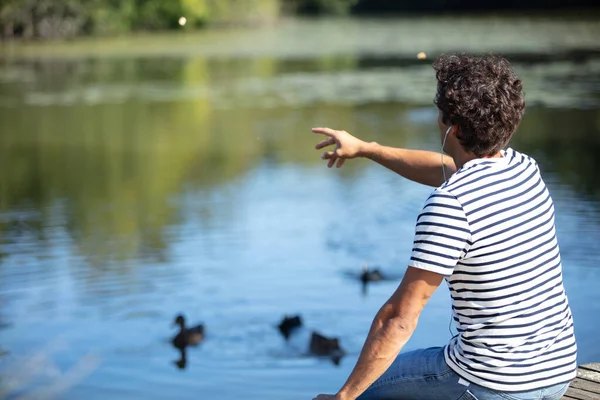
{"type": "Point", "coordinates": [591, 366]}
{"type": "Point", "coordinates": [587, 384]}
{"type": "Point", "coordinates": [581, 394]}
{"type": "Point", "coordinates": [590, 386]}
{"type": "Point", "coordinates": [588, 375]}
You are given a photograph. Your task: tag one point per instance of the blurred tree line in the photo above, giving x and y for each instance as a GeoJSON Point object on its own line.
{"type": "Point", "coordinates": [68, 18]}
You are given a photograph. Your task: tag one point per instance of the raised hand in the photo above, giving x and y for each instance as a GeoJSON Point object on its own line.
{"type": "Point", "coordinates": [346, 146]}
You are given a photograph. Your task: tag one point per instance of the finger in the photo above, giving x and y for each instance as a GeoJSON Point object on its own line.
{"type": "Point", "coordinates": [325, 131]}
{"type": "Point", "coordinates": [325, 143]}
{"type": "Point", "coordinates": [327, 155]}
{"type": "Point", "coordinates": [331, 161]}
{"type": "Point", "coordinates": [340, 162]}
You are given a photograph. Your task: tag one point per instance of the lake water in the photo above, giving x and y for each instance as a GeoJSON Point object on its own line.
{"type": "Point", "coordinates": [159, 174]}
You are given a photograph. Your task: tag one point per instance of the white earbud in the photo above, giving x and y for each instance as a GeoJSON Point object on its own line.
{"type": "Point", "coordinates": [446, 136]}
{"type": "Point", "coordinates": [443, 145]}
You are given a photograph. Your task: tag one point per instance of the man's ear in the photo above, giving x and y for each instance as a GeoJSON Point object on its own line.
{"type": "Point", "coordinates": [455, 131]}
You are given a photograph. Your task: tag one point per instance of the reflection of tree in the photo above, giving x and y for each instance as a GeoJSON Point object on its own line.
{"type": "Point", "coordinates": [565, 142]}
{"type": "Point", "coordinates": [115, 166]}
{"type": "Point", "coordinates": [118, 168]}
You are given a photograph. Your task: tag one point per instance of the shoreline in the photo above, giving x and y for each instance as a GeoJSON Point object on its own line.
{"type": "Point", "coordinates": [410, 34]}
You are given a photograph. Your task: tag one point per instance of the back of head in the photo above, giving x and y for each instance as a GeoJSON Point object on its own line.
{"type": "Point", "coordinates": [483, 97]}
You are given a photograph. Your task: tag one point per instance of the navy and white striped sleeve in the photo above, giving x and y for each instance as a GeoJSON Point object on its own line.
{"type": "Point", "coordinates": [442, 234]}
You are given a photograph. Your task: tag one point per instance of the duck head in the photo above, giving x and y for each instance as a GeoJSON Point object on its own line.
{"type": "Point", "coordinates": [288, 324]}
{"type": "Point", "coordinates": [179, 320]}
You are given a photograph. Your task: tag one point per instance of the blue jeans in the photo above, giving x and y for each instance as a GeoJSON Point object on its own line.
{"type": "Point", "coordinates": [424, 375]}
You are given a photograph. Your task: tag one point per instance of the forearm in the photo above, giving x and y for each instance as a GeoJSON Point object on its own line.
{"type": "Point", "coordinates": [385, 340]}
{"type": "Point", "coordinates": [417, 165]}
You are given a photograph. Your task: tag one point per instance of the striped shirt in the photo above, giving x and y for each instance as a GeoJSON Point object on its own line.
{"type": "Point", "coordinates": [490, 231]}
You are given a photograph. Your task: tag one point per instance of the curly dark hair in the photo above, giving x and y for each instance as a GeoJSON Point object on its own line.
{"type": "Point", "coordinates": [483, 97]}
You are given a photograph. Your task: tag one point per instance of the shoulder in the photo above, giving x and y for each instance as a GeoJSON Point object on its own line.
{"type": "Point", "coordinates": [516, 156]}
{"type": "Point", "coordinates": [478, 175]}
{"type": "Point", "coordinates": [442, 205]}
{"type": "Point", "coordinates": [441, 196]}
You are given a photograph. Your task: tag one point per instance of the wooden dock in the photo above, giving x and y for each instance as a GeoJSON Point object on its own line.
{"type": "Point", "coordinates": [587, 384]}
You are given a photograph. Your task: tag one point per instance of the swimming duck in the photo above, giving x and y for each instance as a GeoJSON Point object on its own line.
{"type": "Point", "coordinates": [187, 336]}
{"type": "Point", "coordinates": [288, 324]}
{"type": "Point", "coordinates": [323, 346]}
{"type": "Point", "coordinates": [373, 275]}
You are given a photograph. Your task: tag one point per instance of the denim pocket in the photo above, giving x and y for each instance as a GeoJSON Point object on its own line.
{"type": "Point", "coordinates": [467, 396]}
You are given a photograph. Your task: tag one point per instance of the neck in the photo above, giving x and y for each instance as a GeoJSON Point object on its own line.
{"type": "Point", "coordinates": [462, 158]}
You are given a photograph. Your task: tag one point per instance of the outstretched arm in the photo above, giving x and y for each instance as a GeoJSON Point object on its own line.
{"type": "Point", "coordinates": [392, 327]}
{"type": "Point", "coordinates": [417, 165]}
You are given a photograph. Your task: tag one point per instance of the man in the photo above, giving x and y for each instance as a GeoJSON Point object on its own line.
{"type": "Point", "coordinates": [488, 230]}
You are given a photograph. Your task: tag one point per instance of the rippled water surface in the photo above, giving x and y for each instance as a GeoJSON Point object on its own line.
{"type": "Point", "coordinates": [145, 177]}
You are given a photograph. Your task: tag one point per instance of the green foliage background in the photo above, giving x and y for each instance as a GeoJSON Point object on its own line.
{"type": "Point", "coordinates": [68, 18]}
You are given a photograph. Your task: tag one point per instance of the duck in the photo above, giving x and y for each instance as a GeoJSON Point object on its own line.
{"type": "Point", "coordinates": [321, 345]}
{"type": "Point", "coordinates": [370, 275]}
{"type": "Point", "coordinates": [289, 324]}
{"type": "Point", "coordinates": [187, 336]}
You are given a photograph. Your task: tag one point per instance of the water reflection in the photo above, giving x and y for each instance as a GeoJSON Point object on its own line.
{"type": "Point", "coordinates": [181, 363]}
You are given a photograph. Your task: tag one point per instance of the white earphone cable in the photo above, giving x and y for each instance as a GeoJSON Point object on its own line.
{"type": "Point", "coordinates": [443, 145]}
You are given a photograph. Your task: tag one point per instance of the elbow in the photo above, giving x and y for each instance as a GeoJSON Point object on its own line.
{"type": "Point", "coordinates": [400, 327]}
{"type": "Point", "coordinates": [392, 336]}
{"type": "Point", "coordinates": [392, 318]}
